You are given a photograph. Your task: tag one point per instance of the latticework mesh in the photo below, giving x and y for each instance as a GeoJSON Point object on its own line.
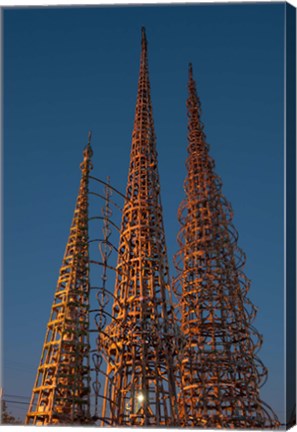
{"type": "Point", "coordinates": [220, 373]}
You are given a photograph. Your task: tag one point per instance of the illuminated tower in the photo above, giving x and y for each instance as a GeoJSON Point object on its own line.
{"type": "Point", "coordinates": [61, 390]}
{"type": "Point", "coordinates": [220, 372]}
{"type": "Point", "coordinates": [139, 342]}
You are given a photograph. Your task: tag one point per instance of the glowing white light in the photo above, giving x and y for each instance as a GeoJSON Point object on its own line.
{"type": "Point", "coordinates": [140, 397]}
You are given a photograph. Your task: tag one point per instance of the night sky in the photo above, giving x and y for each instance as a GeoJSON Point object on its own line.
{"type": "Point", "coordinates": [68, 70]}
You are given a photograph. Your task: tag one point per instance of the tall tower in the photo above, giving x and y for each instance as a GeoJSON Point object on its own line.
{"type": "Point", "coordinates": [139, 342]}
{"type": "Point", "coordinates": [220, 372]}
{"type": "Point", "coordinates": [61, 390]}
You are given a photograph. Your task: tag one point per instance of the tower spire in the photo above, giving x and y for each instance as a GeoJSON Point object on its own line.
{"type": "Point", "coordinates": [143, 38]}
{"type": "Point", "coordinates": [139, 341]}
{"type": "Point", "coordinates": [190, 71]}
{"type": "Point", "coordinates": [61, 391]}
{"type": "Point", "coordinates": [220, 372]}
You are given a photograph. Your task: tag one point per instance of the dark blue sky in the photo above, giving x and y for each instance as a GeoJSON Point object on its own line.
{"type": "Point", "coordinates": [68, 70]}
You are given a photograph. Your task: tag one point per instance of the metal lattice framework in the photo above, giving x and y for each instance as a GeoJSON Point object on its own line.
{"type": "Point", "coordinates": [219, 370]}
{"type": "Point", "coordinates": [103, 255]}
{"type": "Point", "coordinates": [122, 361]}
{"type": "Point", "coordinates": [61, 393]}
{"type": "Point", "coordinates": [139, 342]}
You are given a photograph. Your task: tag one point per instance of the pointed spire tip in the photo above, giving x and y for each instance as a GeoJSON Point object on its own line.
{"type": "Point", "coordinates": [88, 152]}
{"type": "Point", "coordinates": [143, 36]}
{"type": "Point", "coordinates": [190, 70]}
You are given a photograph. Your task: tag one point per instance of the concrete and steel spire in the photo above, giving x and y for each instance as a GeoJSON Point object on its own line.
{"type": "Point", "coordinates": [61, 393]}
{"type": "Point", "coordinates": [219, 370]}
{"type": "Point", "coordinates": [139, 342]}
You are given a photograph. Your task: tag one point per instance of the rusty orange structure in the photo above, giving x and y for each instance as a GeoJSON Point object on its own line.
{"type": "Point", "coordinates": [133, 357]}
{"type": "Point", "coordinates": [61, 393]}
{"type": "Point", "coordinates": [139, 342]}
{"type": "Point", "coordinates": [220, 373]}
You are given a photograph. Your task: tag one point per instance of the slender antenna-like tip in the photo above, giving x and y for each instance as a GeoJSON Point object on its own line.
{"type": "Point", "coordinates": [89, 137]}
{"type": "Point", "coordinates": [190, 70]}
{"type": "Point", "coordinates": [143, 36]}
{"type": "Point", "coordinates": [88, 153]}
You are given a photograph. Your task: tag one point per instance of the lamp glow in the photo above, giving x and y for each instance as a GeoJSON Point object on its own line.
{"type": "Point", "coordinates": [140, 397]}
